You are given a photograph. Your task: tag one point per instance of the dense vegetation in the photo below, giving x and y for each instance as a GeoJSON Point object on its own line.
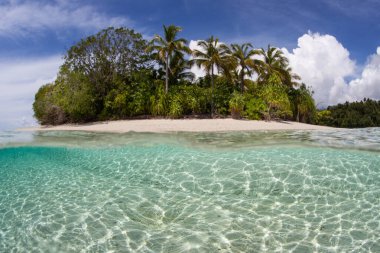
{"type": "Point", "coordinates": [365, 113]}
{"type": "Point", "coordinates": [116, 74]}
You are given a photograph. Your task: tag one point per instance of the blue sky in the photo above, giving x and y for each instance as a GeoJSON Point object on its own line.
{"type": "Point", "coordinates": [354, 23]}
{"type": "Point", "coordinates": [35, 34]}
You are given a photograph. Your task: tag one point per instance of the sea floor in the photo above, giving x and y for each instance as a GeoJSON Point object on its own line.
{"type": "Point", "coordinates": [232, 192]}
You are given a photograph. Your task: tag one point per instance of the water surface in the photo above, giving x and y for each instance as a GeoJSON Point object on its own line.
{"type": "Point", "coordinates": [300, 191]}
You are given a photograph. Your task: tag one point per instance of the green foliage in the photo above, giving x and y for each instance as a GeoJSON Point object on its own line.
{"type": "Point", "coordinates": [193, 98]}
{"type": "Point", "coordinates": [323, 117]}
{"type": "Point", "coordinates": [74, 95]}
{"type": "Point", "coordinates": [176, 107]}
{"type": "Point", "coordinates": [110, 75]}
{"type": "Point", "coordinates": [236, 105]}
{"type": "Point", "coordinates": [255, 108]}
{"type": "Point", "coordinates": [160, 101]}
{"type": "Point", "coordinates": [276, 99]}
{"type": "Point", "coordinates": [69, 99]}
{"type": "Point", "coordinates": [41, 101]}
{"type": "Point", "coordinates": [170, 49]}
{"type": "Point", "coordinates": [116, 104]}
{"type": "Point", "coordinates": [214, 55]}
{"type": "Point", "coordinates": [364, 113]}
{"type": "Point", "coordinates": [222, 95]}
{"type": "Point", "coordinates": [303, 105]}
{"type": "Point", "coordinates": [106, 59]}
{"type": "Point", "coordinates": [243, 57]}
{"type": "Point", "coordinates": [46, 112]}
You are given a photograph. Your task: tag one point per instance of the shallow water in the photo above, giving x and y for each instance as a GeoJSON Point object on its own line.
{"type": "Point", "coordinates": [224, 192]}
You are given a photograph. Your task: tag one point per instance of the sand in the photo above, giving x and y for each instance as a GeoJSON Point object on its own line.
{"type": "Point", "coordinates": [181, 125]}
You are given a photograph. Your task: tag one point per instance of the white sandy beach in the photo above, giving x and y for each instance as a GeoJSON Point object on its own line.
{"type": "Point", "coordinates": [181, 125]}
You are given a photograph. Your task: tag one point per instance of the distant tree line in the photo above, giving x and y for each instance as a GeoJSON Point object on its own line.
{"type": "Point", "coordinates": [117, 74]}
{"type": "Point", "coordinates": [365, 113]}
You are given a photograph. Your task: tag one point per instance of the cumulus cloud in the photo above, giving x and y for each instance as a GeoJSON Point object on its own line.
{"type": "Point", "coordinates": [19, 81]}
{"type": "Point", "coordinates": [324, 64]}
{"type": "Point", "coordinates": [368, 84]}
{"type": "Point", "coordinates": [19, 18]}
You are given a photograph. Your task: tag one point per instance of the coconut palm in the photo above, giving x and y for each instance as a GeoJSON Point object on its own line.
{"type": "Point", "coordinates": [246, 64]}
{"type": "Point", "coordinates": [275, 62]}
{"type": "Point", "coordinates": [180, 68]}
{"type": "Point", "coordinates": [303, 103]}
{"type": "Point", "coordinates": [212, 56]}
{"type": "Point", "coordinates": [291, 79]}
{"type": "Point", "coordinates": [166, 46]}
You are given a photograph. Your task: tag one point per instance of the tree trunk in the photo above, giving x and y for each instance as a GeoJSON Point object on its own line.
{"type": "Point", "coordinates": [242, 81]}
{"type": "Point", "coordinates": [298, 114]}
{"type": "Point", "coordinates": [167, 75]}
{"type": "Point", "coordinates": [212, 91]}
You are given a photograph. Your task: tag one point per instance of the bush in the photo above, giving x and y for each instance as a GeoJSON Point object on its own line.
{"type": "Point", "coordinates": [46, 111]}
{"type": "Point", "coordinates": [222, 95]}
{"type": "Point", "coordinates": [54, 115]}
{"type": "Point", "coordinates": [302, 104]}
{"type": "Point", "coordinates": [275, 96]}
{"type": "Point", "coordinates": [159, 103]}
{"type": "Point", "coordinates": [191, 98]}
{"type": "Point", "coordinates": [115, 104]}
{"type": "Point", "coordinates": [176, 107]}
{"type": "Point", "coordinates": [43, 100]}
{"type": "Point", "coordinates": [74, 95]}
{"type": "Point", "coordinates": [323, 117]}
{"type": "Point", "coordinates": [255, 109]}
{"type": "Point", "coordinates": [236, 104]}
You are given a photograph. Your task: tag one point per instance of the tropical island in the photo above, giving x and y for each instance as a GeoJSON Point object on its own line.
{"type": "Point", "coordinates": [116, 74]}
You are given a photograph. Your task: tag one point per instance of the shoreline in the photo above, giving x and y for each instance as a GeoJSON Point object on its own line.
{"type": "Point", "coordinates": [180, 125]}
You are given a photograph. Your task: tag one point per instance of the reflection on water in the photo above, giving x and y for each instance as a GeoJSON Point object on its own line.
{"type": "Point", "coordinates": [222, 192]}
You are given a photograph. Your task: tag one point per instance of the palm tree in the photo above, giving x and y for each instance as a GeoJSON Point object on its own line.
{"type": "Point", "coordinates": [303, 103]}
{"type": "Point", "coordinates": [243, 56]}
{"type": "Point", "coordinates": [213, 55]}
{"type": "Point", "coordinates": [291, 79]}
{"type": "Point", "coordinates": [276, 63]}
{"type": "Point", "coordinates": [166, 46]}
{"type": "Point", "coordinates": [180, 68]}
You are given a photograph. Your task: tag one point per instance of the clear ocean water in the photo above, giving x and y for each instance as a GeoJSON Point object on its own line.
{"type": "Point", "coordinates": [294, 191]}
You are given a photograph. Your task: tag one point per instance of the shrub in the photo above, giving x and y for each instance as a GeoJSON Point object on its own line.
{"type": "Point", "coordinates": [115, 104]}
{"type": "Point", "coordinates": [276, 99]}
{"type": "Point", "coordinates": [236, 104]}
{"type": "Point", "coordinates": [255, 108]}
{"type": "Point", "coordinates": [43, 100]}
{"type": "Point", "coordinates": [159, 103]}
{"type": "Point", "coordinates": [54, 115]}
{"type": "Point", "coordinates": [176, 107]}
{"type": "Point", "coordinates": [302, 104]}
{"type": "Point", "coordinates": [46, 110]}
{"type": "Point", "coordinates": [222, 95]}
{"type": "Point", "coordinates": [323, 117]}
{"type": "Point", "coordinates": [74, 95]}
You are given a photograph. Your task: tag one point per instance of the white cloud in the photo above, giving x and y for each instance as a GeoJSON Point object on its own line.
{"type": "Point", "coordinates": [19, 81]}
{"type": "Point", "coordinates": [368, 84]}
{"type": "Point", "coordinates": [24, 18]}
{"type": "Point", "coordinates": [325, 65]}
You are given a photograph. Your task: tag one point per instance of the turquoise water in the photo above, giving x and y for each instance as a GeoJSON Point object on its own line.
{"type": "Point", "coordinates": [226, 192]}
